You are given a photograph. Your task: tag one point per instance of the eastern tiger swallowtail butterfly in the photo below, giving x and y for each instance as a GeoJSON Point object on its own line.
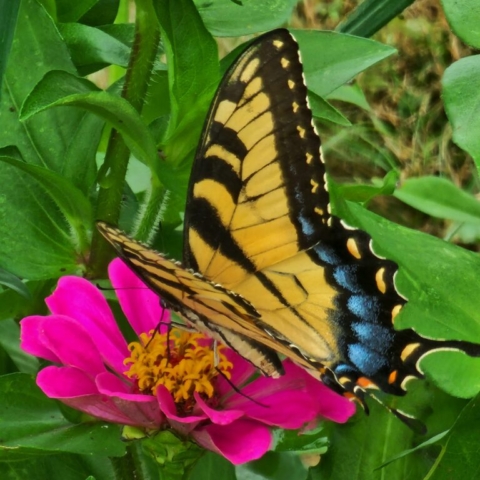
{"type": "Point", "coordinates": [266, 268]}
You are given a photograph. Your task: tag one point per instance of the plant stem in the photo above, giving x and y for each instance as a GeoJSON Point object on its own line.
{"type": "Point", "coordinates": [145, 46]}
{"type": "Point", "coordinates": [150, 214]}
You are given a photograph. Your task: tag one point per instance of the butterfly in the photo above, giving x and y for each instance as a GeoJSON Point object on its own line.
{"type": "Point", "coordinates": [267, 269]}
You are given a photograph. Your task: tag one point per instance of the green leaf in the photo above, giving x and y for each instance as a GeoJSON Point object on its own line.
{"type": "Point", "coordinates": [60, 139]}
{"type": "Point", "coordinates": [431, 441]}
{"type": "Point", "coordinates": [440, 198]}
{"type": "Point", "coordinates": [60, 88]}
{"type": "Point", "coordinates": [343, 57]}
{"type": "Point", "coordinates": [33, 425]}
{"type": "Point", "coordinates": [158, 108]}
{"type": "Point", "coordinates": [221, 17]}
{"type": "Point", "coordinates": [350, 94]}
{"type": "Point", "coordinates": [211, 466]}
{"type": "Point", "coordinates": [175, 456]}
{"type": "Point", "coordinates": [461, 95]}
{"type": "Point", "coordinates": [71, 12]}
{"type": "Point", "coordinates": [274, 466]}
{"type": "Point", "coordinates": [357, 145]}
{"type": "Point", "coordinates": [36, 239]}
{"type": "Point", "coordinates": [364, 193]}
{"type": "Point", "coordinates": [103, 12]}
{"type": "Point", "coordinates": [8, 21]}
{"type": "Point", "coordinates": [366, 442]}
{"type": "Point", "coordinates": [322, 109]}
{"type": "Point", "coordinates": [193, 75]}
{"type": "Point", "coordinates": [69, 199]}
{"type": "Point", "coordinates": [124, 32]}
{"type": "Point", "coordinates": [14, 306]}
{"type": "Point", "coordinates": [437, 279]}
{"type": "Point", "coordinates": [309, 442]}
{"type": "Point", "coordinates": [192, 57]}
{"type": "Point", "coordinates": [10, 342]}
{"type": "Point", "coordinates": [92, 49]}
{"type": "Point", "coordinates": [14, 283]}
{"type": "Point", "coordinates": [464, 20]}
{"type": "Point", "coordinates": [60, 467]}
{"type": "Point", "coordinates": [371, 15]}
{"type": "Point", "coordinates": [459, 458]}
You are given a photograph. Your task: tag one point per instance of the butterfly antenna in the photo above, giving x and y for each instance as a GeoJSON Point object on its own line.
{"type": "Point", "coordinates": [216, 360]}
{"type": "Point", "coordinates": [237, 390]}
{"type": "Point", "coordinates": [157, 330]}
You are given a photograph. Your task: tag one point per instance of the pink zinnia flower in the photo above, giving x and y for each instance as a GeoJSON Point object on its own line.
{"type": "Point", "coordinates": [147, 384]}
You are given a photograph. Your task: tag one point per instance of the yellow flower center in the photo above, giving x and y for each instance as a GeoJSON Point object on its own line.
{"type": "Point", "coordinates": [181, 361]}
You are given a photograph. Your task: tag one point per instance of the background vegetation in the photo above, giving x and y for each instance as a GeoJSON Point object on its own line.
{"type": "Point", "coordinates": [402, 138]}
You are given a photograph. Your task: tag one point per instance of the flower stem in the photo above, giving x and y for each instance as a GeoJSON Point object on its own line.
{"type": "Point", "coordinates": [112, 175]}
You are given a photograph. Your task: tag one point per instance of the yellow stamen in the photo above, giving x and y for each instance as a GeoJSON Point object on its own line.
{"type": "Point", "coordinates": [184, 368]}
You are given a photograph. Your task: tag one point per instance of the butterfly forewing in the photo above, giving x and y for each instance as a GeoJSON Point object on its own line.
{"type": "Point", "coordinates": [223, 315]}
{"type": "Point", "coordinates": [257, 179]}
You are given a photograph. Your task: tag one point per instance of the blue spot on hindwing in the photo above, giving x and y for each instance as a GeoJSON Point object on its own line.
{"type": "Point", "coordinates": [343, 368]}
{"type": "Point", "coordinates": [308, 228]}
{"type": "Point", "coordinates": [327, 254]}
{"type": "Point", "coordinates": [347, 277]}
{"type": "Point", "coordinates": [377, 337]}
{"type": "Point", "coordinates": [364, 307]}
{"type": "Point", "coordinates": [366, 360]}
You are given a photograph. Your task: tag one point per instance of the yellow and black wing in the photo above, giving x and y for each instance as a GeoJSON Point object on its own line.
{"type": "Point", "coordinates": [266, 267]}
{"type": "Point", "coordinates": [258, 223]}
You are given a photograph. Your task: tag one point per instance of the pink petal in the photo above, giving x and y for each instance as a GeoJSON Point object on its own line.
{"type": "Point", "coordinates": [100, 407]}
{"type": "Point", "coordinates": [30, 335]}
{"type": "Point", "coordinates": [77, 390]}
{"type": "Point", "coordinates": [239, 442]}
{"type": "Point", "coordinates": [77, 298]}
{"type": "Point", "coordinates": [167, 406]}
{"type": "Point", "coordinates": [220, 417]}
{"type": "Point", "coordinates": [140, 304]}
{"type": "Point", "coordinates": [104, 408]}
{"type": "Point", "coordinates": [141, 409]}
{"type": "Point", "coordinates": [109, 384]}
{"type": "Point", "coordinates": [65, 382]}
{"type": "Point", "coordinates": [291, 401]}
{"type": "Point", "coordinates": [330, 404]}
{"type": "Point", "coordinates": [69, 341]}
{"type": "Point", "coordinates": [144, 414]}
{"type": "Point", "coordinates": [284, 408]}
